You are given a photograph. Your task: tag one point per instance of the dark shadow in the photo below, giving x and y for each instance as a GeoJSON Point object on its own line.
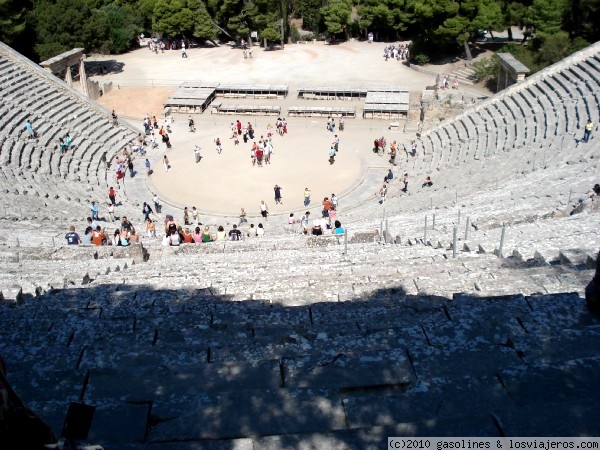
{"type": "Point", "coordinates": [167, 365]}
{"type": "Point", "coordinates": [104, 67]}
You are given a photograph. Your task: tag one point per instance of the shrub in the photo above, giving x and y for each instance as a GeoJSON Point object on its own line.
{"type": "Point", "coordinates": [421, 59]}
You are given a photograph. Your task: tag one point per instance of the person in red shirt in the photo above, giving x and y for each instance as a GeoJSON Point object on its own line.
{"type": "Point", "coordinates": [326, 206]}
{"type": "Point", "coordinates": [112, 196]}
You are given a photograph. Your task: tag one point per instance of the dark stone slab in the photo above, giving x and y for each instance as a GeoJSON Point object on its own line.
{"type": "Point", "coordinates": [119, 422]}
{"type": "Point", "coordinates": [236, 414]}
{"type": "Point", "coordinates": [541, 384]}
{"type": "Point", "coordinates": [134, 384]}
{"type": "Point", "coordinates": [465, 358]}
{"type": "Point", "coordinates": [353, 372]}
{"type": "Point", "coordinates": [569, 344]}
{"type": "Point", "coordinates": [419, 402]}
{"type": "Point", "coordinates": [569, 418]}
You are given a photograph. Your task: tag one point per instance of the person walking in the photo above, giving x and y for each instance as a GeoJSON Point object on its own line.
{"type": "Point", "coordinates": [332, 154]}
{"type": "Point", "coordinates": [148, 168]}
{"type": "Point", "coordinates": [405, 181]}
{"type": "Point", "coordinates": [166, 163]}
{"type": "Point", "coordinates": [197, 153]}
{"type": "Point", "coordinates": [277, 190]}
{"type": "Point", "coordinates": [30, 129]}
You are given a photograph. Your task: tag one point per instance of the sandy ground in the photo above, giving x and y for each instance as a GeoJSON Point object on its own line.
{"type": "Point", "coordinates": [222, 184]}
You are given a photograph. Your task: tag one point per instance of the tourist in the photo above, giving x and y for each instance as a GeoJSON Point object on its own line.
{"type": "Point", "coordinates": [305, 222]}
{"type": "Point", "coordinates": [148, 167]}
{"type": "Point", "coordinates": [589, 126]}
{"type": "Point", "coordinates": [292, 220]}
{"type": "Point", "coordinates": [95, 210]}
{"type": "Point", "coordinates": [130, 167]}
{"type": "Point", "coordinates": [186, 216]}
{"type": "Point", "coordinates": [264, 210]}
{"type": "Point", "coordinates": [197, 236]}
{"type": "Point", "coordinates": [166, 163]}
{"type": "Point", "coordinates": [317, 228]}
{"type": "Point", "coordinates": [30, 130]}
{"type": "Point", "coordinates": [332, 154]}
{"type": "Point", "coordinates": [405, 181]}
{"type": "Point", "coordinates": [341, 122]}
{"type": "Point", "coordinates": [390, 176]}
{"type": "Point", "coordinates": [87, 236]}
{"type": "Point", "coordinates": [327, 204]}
{"type": "Point", "coordinates": [111, 212]}
{"type": "Point", "coordinates": [218, 145]}
{"type": "Point", "coordinates": [277, 190]}
{"type": "Point", "coordinates": [206, 235]}
{"type": "Point", "coordinates": [235, 234]}
{"type": "Point", "coordinates": [112, 195]}
{"type": "Point", "coordinates": [260, 231]}
{"type": "Point", "coordinates": [146, 211]}
{"type": "Point", "coordinates": [306, 197]}
{"type": "Point", "coordinates": [196, 216]}
{"type": "Point", "coordinates": [150, 228]}
{"type": "Point", "coordinates": [382, 194]}
{"type": "Point", "coordinates": [243, 216]}
{"type": "Point", "coordinates": [427, 183]}
{"type": "Point", "coordinates": [98, 236]}
{"type": "Point", "coordinates": [174, 239]}
{"type": "Point", "coordinates": [187, 237]}
{"type": "Point", "coordinates": [337, 228]}
{"type": "Point", "coordinates": [334, 201]}
{"type": "Point", "coordinates": [252, 231]}
{"type": "Point", "coordinates": [157, 205]}
{"type": "Point", "coordinates": [197, 155]}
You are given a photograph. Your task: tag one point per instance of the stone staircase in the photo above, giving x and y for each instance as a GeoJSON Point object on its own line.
{"type": "Point", "coordinates": [465, 75]}
{"type": "Point", "coordinates": [187, 367]}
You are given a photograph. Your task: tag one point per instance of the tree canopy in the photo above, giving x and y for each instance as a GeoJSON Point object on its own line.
{"type": "Point", "coordinates": [44, 28]}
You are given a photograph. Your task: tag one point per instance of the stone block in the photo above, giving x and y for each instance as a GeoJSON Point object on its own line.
{"type": "Point", "coordinates": [353, 373]}
{"type": "Point", "coordinates": [364, 237]}
{"type": "Point", "coordinates": [12, 294]}
{"type": "Point", "coordinates": [119, 422]}
{"type": "Point", "coordinates": [229, 414]}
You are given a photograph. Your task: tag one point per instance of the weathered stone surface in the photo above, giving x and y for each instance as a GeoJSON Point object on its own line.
{"type": "Point", "coordinates": [250, 413]}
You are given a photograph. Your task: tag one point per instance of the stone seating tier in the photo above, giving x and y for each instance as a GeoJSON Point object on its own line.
{"type": "Point", "coordinates": [347, 374]}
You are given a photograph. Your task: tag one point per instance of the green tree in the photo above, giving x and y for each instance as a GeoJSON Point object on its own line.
{"type": "Point", "coordinates": [204, 28]}
{"type": "Point", "coordinates": [337, 16]}
{"type": "Point", "coordinates": [546, 16]}
{"type": "Point", "coordinates": [271, 35]}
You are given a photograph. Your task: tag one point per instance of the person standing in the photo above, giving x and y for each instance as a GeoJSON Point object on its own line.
{"type": "Point", "coordinates": [218, 145]}
{"type": "Point", "coordinates": [277, 190]}
{"type": "Point", "coordinates": [183, 52]}
{"type": "Point", "coordinates": [382, 194]}
{"type": "Point", "coordinates": [341, 121]}
{"type": "Point", "coordinates": [166, 163]}
{"type": "Point", "coordinates": [156, 201]}
{"type": "Point", "coordinates": [589, 126]}
{"type": "Point", "coordinates": [331, 154]}
{"type": "Point", "coordinates": [148, 168]}
{"type": "Point", "coordinates": [405, 181]}
{"type": "Point", "coordinates": [197, 153]}
{"type": "Point", "coordinates": [130, 167]}
{"type": "Point", "coordinates": [334, 201]}
{"type": "Point", "coordinates": [336, 143]}
{"type": "Point", "coordinates": [264, 210]}
{"type": "Point", "coordinates": [306, 197]}
{"type": "Point", "coordinates": [95, 210]}
{"type": "Point", "coordinates": [112, 195]}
